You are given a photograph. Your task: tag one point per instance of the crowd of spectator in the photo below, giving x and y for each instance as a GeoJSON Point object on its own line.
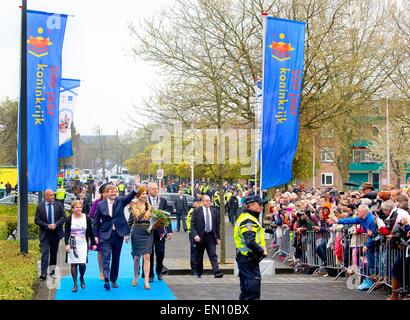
{"type": "Point", "coordinates": [366, 231]}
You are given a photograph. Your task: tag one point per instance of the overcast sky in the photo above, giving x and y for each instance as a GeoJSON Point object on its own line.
{"type": "Point", "coordinates": [95, 42]}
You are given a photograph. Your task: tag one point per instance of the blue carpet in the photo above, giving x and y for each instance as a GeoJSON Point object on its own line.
{"type": "Point", "coordinates": [95, 290]}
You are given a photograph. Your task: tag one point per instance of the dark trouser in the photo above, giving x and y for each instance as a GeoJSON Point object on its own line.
{"type": "Point", "coordinates": [208, 244]}
{"type": "Point", "coordinates": [397, 270]}
{"type": "Point", "coordinates": [181, 216]}
{"type": "Point", "coordinates": [371, 259]}
{"type": "Point", "coordinates": [321, 251]}
{"type": "Point", "coordinates": [111, 246]}
{"type": "Point", "coordinates": [231, 215]}
{"type": "Point", "coordinates": [49, 250]}
{"type": "Point", "coordinates": [158, 248]}
{"type": "Point", "coordinates": [250, 279]}
{"type": "Point", "coordinates": [193, 252]}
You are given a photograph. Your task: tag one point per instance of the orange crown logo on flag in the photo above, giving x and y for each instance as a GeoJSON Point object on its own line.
{"type": "Point", "coordinates": [281, 50]}
{"type": "Point", "coordinates": [39, 45]}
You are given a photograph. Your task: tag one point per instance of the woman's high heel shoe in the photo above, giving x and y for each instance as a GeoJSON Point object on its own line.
{"type": "Point", "coordinates": [134, 282]}
{"type": "Point", "coordinates": [146, 286]}
{"type": "Point", "coordinates": [74, 288]}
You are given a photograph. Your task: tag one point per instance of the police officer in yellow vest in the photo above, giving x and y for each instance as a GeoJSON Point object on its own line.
{"type": "Point", "coordinates": [121, 188]}
{"type": "Point", "coordinates": [250, 247]}
{"type": "Point", "coordinates": [60, 194]}
{"type": "Point", "coordinates": [217, 200]}
{"type": "Point", "coordinates": [197, 203]}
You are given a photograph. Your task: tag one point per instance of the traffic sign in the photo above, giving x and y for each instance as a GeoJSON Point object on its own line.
{"type": "Point", "coordinates": [160, 174]}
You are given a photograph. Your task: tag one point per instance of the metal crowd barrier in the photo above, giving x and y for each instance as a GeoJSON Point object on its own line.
{"type": "Point", "coordinates": [284, 247]}
{"type": "Point", "coordinates": [353, 261]}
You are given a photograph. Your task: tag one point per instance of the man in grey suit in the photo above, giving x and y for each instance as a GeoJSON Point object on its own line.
{"type": "Point", "coordinates": [181, 210]}
{"type": "Point", "coordinates": [50, 217]}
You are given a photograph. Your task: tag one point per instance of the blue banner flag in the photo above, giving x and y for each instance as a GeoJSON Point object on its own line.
{"type": "Point", "coordinates": [44, 50]}
{"type": "Point", "coordinates": [68, 97]}
{"type": "Point", "coordinates": [282, 84]}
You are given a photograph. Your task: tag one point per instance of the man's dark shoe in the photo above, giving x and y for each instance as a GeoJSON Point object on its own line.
{"type": "Point", "coordinates": [160, 277]}
{"type": "Point", "coordinates": [114, 285]}
{"type": "Point", "coordinates": [199, 275]}
{"type": "Point", "coordinates": [52, 273]}
{"type": "Point", "coordinates": [151, 280]}
{"type": "Point", "coordinates": [107, 286]}
{"type": "Point", "coordinates": [164, 270]}
{"type": "Point", "coordinates": [42, 278]}
{"type": "Point", "coordinates": [218, 275]}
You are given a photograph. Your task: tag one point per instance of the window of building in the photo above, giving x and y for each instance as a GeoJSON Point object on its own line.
{"type": "Point", "coordinates": [361, 155]}
{"type": "Point", "coordinates": [327, 179]}
{"type": "Point", "coordinates": [327, 155]}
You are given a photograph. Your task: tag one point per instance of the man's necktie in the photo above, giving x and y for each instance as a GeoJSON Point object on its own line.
{"type": "Point", "coordinates": [49, 217]}
{"type": "Point", "coordinates": [207, 221]}
{"type": "Point", "coordinates": [154, 202]}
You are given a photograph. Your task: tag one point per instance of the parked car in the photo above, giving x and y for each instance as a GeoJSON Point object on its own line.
{"type": "Point", "coordinates": [32, 198]}
{"type": "Point", "coordinates": [170, 200]}
{"type": "Point", "coordinates": [116, 179]}
{"type": "Point", "coordinates": [69, 198]}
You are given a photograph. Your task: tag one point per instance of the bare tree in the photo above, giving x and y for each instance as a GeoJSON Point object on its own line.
{"type": "Point", "coordinates": [211, 54]}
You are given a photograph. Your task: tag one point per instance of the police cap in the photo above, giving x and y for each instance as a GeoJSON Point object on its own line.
{"type": "Point", "coordinates": [255, 198]}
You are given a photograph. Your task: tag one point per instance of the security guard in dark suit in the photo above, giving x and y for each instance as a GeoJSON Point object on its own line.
{"type": "Point", "coordinates": [250, 248]}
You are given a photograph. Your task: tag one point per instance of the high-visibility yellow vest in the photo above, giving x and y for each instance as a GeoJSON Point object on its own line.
{"type": "Point", "coordinates": [253, 226]}
{"type": "Point", "coordinates": [60, 194]}
{"type": "Point", "coordinates": [188, 219]}
{"type": "Point", "coordinates": [228, 196]}
{"type": "Point", "coordinates": [121, 187]}
{"type": "Point", "coordinates": [217, 199]}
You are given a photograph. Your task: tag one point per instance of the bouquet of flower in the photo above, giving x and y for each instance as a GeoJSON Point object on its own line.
{"type": "Point", "coordinates": [159, 219]}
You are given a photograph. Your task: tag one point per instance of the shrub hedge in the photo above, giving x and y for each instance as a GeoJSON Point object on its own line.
{"type": "Point", "coordinates": [18, 272]}
{"type": "Point", "coordinates": [8, 221]}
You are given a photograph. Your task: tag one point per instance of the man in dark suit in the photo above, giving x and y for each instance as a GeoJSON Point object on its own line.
{"type": "Point", "coordinates": [160, 236]}
{"type": "Point", "coordinates": [50, 217]}
{"type": "Point", "coordinates": [181, 209]}
{"type": "Point", "coordinates": [205, 229]}
{"type": "Point", "coordinates": [112, 226]}
{"type": "Point", "coordinates": [86, 202]}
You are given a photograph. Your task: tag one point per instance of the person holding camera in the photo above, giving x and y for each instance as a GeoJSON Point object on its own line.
{"type": "Point", "coordinates": [368, 222]}
{"type": "Point", "coordinates": [250, 246]}
{"type": "Point", "coordinates": [395, 229]}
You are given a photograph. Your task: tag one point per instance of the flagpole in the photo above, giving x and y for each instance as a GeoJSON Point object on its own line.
{"type": "Point", "coordinates": [387, 142]}
{"type": "Point", "coordinates": [314, 164]}
{"type": "Point", "coordinates": [192, 163]}
{"type": "Point", "coordinates": [256, 135]}
{"type": "Point", "coordinates": [264, 17]}
{"type": "Point", "coordinates": [22, 184]}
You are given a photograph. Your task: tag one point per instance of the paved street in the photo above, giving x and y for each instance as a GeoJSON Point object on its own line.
{"type": "Point", "coordinates": [284, 285]}
{"type": "Point", "coordinates": [280, 287]}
